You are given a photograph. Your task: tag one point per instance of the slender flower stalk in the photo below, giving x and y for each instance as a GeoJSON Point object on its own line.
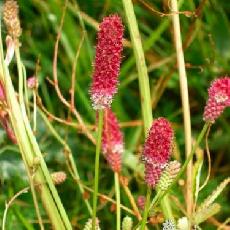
{"type": "Point", "coordinates": [146, 209]}
{"type": "Point", "coordinates": [112, 148]}
{"type": "Point", "coordinates": [105, 81]}
{"type": "Point", "coordinates": [118, 200]}
{"type": "Point", "coordinates": [96, 172]}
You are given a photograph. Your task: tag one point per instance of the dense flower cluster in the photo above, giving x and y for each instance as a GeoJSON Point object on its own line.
{"type": "Point", "coordinates": [11, 18]}
{"type": "Point", "coordinates": [88, 225]}
{"type": "Point", "coordinates": [127, 223]}
{"type": "Point", "coordinates": [112, 140]}
{"type": "Point", "coordinates": [157, 150]}
{"type": "Point", "coordinates": [58, 177]}
{"type": "Point", "coordinates": [107, 62]}
{"type": "Point", "coordinates": [170, 172]}
{"type": "Point", "coordinates": [218, 99]}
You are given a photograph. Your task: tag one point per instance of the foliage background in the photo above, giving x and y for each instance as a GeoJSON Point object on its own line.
{"type": "Point", "coordinates": [207, 56]}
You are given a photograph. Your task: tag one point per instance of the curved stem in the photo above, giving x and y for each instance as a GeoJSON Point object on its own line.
{"type": "Point", "coordinates": [209, 161]}
{"type": "Point", "coordinates": [155, 200]}
{"type": "Point", "coordinates": [146, 211]}
{"type": "Point", "coordinates": [118, 201]}
{"type": "Point", "coordinates": [97, 158]}
{"type": "Point", "coordinates": [25, 190]}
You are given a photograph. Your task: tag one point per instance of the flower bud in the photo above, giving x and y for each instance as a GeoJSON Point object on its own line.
{"type": "Point", "coordinates": [169, 174]}
{"type": "Point", "coordinates": [11, 18]}
{"type": "Point", "coordinates": [32, 82]}
{"type": "Point", "coordinates": [127, 223]}
{"type": "Point", "coordinates": [58, 177]}
{"type": "Point", "coordinates": [218, 99]}
{"type": "Point", "coordinates": [88, 225]}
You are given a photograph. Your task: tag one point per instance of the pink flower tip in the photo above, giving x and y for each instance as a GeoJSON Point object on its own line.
{"type": "Point", "coordinates": [112, 141]}
{"type": "Point", "coordinates": [107, 62]}
{"type": "Point", "coordinates": [157, 150]}
{"type": "Point", "coordinates": [218, 99]}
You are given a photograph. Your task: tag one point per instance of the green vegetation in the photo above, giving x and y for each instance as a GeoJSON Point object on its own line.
{"type": "Point", "coordinates": [66, 134]}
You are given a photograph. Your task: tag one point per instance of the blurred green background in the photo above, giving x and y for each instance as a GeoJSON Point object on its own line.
{"type": "Point", "coordinates": [206, 38]}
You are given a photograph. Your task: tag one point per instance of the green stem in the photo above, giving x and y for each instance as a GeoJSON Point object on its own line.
{"type": "Point", "coordinates": [118, 201]}
{"type": "Point", "coordinates": [165, 204]}
{"type": "Point", "coordinates": [35, 111]}
{"type": "Point", "coordinates": [142, 75]}
{"type": "Point", "coordinates": [146, 210]}
{"type": "Point", "coordinates": [155, 200]}
{"type": "Point", "coordinates": [37, 152]}
{"type": "Point", "coordinates": [97, 158]}
{"type": "Point", "coordinates": [185, 102]}
{"type": "Point", "coordinates": [25, 147]}
{"type": "Point", "coordinates": [141, 65]}
{"type": "Point", "coordinates": [26, 96]}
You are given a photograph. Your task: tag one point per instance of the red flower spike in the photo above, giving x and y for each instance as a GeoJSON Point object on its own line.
{"type": "Point", "coordinates": [218, 99]}
{"type": "Point", "coordinates": [112, 140]}
{"type": "Point", "coordinates": [157, 150]}
{"type": "Point", "coordinates": [107, 62]}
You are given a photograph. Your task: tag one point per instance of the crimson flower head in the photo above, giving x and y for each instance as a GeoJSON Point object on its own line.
{"type": "Point", "coordinates": [107, 62]}
{"type": "Point", "coordinates": [157, 150]}
{"type": "Point", "coordinates": [218, 99]}
{"type": "Point", "coordinates": [112, 140]}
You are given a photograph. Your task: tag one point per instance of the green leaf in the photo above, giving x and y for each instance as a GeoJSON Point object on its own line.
{"type": "Point", "coordinates": [205, 213]}
{"type": "Point", "coordinates": [210, 199]}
